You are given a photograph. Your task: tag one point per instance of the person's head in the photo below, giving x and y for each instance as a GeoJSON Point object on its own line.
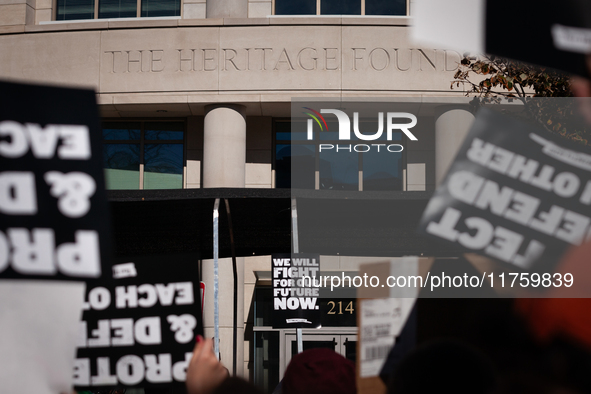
{"type": "Point", "coordinates": [443, 367]}
{"type": "Point", "coordinates": [319, 371]}
{"type": "Point", "coordinates": [234, 385]}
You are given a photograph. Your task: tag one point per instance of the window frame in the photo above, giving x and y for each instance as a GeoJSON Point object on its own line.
{"type": "Point", "coordinates": [404, 159]}
{"type": "Point", "coordinates": [138, 13]}
{"type": "Point", "coordinates": [143, 141]}
{"type": "Point", "coordinates": [318, 8]}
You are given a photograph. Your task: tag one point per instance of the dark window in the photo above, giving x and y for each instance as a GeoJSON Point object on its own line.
{"type": "Point", "coordinates": [117, 8]}
{"type": "Point", "coordinates": [385, 7]}
{"type": "Point", "coordinates": [298, 161]}
{"type": "Point", "coordinates": [74, 9]}
{"type": "Point", "coordinates": [84, 9]}
{"type": "Point", "coordinates": [340, 7]}
{"type": "Point", "coordinates": [143, 155]}
{"type": "Point", "coordinates": [155, 8]}
{"type": "Point", "coordinates": [295, 7]}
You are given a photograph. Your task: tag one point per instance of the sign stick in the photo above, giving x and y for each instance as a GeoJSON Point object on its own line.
{"type": "Point", "coordinates": [296, 249]}
{"type": "Point", "coordinates": [216, 309]}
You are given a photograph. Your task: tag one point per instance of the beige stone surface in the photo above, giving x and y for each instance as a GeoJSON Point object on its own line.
{"type": "Point", "coordinates": [30, 15]}
{"type": "Point", "coordinates": [70, 59]}
{"type": "Point", "coordinates": [329, 263]}
{"type": "Point", "coordinates": [39, 4]}
{"type": "Point", "coordinates": [224, 146]}
{"type": "Point", "coordinates": [6, 2]}
{"type": "Point", "coordinates": [194, 173]}
{"type": "Point", "coordinates": [44, 4]}
{"type": "Point", "coordinates": [248, 299]}
{"type": "Point", "coordinates": [383, 58]}
{"type": "Point", "coordinates": [287, 20]}
{"type": "Point", "coordinates": [415, 175]}
{"type": "Point", "coordinates": [194, 10]}
{"type": "Point", "coordinates": [12, 14]}
{"type": "Point", "coordinates": [43, 15]}
{"type": "Point", "coordinates": [12, 29]}
{"type": "Point", "coordinates": [255, 263]}
{"type": "Point", "coordinates": [227, 8]}
{"type": "Point", "coordinates": [258, 175]}
{"type": "Point", "coordinates": [305, 58]}
{"type": "Point", "coordinates": [152, 105]}
{"type": "Point", "coordinates": [451, 127]}
{"type": "Point", "coordinates": [259, 10]}
{"type": "Point", "coordinates": [93, 24]}
{"type": "Point", "coordinates": [246, 21]}
{"type": "Point", "coordinates": [377, 21]}
{"type": "Point", "coordinates": [201, 22]}
{"type": "Point", "coordinates": [148, 60]}
{"type": "Point", "coordinates": [242, 64]}
{"type": "Point", "coordinates": [142, 22]}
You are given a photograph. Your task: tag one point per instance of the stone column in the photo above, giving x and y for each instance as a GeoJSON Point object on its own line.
{"type": "Point", "coordinates": [227, 9]}
{"type": "Point", "coordinates": [224, 146]}
{"type": "Point", "coordinates": [451, 127]}
{"type": "Point", "coordinates": [224, 163]}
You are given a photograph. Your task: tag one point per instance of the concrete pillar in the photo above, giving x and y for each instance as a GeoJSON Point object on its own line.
{"type": "Point", "coordinates": [224, 163]}
{"type": "Point", "coordinates": [227, 9]}
{"type": "Point", "coordinates": [224, 146]}
{"type": "Point", "coordinates": [226, 311]}
{"type": "Point", "coordinates": [451, 127]}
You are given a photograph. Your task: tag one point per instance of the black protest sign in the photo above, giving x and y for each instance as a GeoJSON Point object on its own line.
{"type": "Point", "coordinates": [295, 298]}
{"type": "Point", "coordinates": [549, 35]}
{"type": "Point", "coordinates": [515, 193]}
{"type": "Point", "coordinates": [139, 329]}
{"type": "Point", "coordinates": [53, 209]}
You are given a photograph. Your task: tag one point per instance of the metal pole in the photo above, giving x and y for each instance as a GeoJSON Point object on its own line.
{"type": "Point", "coordinates": [216, 306]}
{"type": "Point", "coordinates": [235, 274]}
{"type": "Point", "coordinates": [296, 249]}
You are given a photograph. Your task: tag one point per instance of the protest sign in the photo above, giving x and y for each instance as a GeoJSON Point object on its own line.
{"type": "Point", "coordinates": [139, 329]}
{"type": "Point", "coordinates": [53, 208]}
{"type": "Point", "coordinates": [515, 193]}
{"type": "Point", "coordinates": [295, 298]}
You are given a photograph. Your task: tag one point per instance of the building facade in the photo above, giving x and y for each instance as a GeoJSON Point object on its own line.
{"type": "Point", "coordinates": [197, 94]}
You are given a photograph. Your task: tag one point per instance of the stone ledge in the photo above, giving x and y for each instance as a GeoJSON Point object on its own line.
{"type": "Point", "coordinates": [201, 22]}
{"type": "Point", "coordinates": [142, 23]}
{"type": "Point", "coordinates": [68, 26]}
{"type": "Point", "coordinates": [377, 21]}
{"type": "Point", "coordinates": [12, 29]}
{"type": "Point", "coordinates": [312, 20]}
{"type": "Point", "coordinates": [246, 21]}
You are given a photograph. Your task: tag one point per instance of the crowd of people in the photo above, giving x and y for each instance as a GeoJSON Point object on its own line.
{"type": "Point", "coordinates": [503, 350]}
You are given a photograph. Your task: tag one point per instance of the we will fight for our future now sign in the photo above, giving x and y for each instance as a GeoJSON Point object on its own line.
{"type": "Point", "coordinates": [295, 299]}
{"type": "Point", "coordinates": [515, 193]}
{"type": "Point", "coordinates": [53, 211]}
